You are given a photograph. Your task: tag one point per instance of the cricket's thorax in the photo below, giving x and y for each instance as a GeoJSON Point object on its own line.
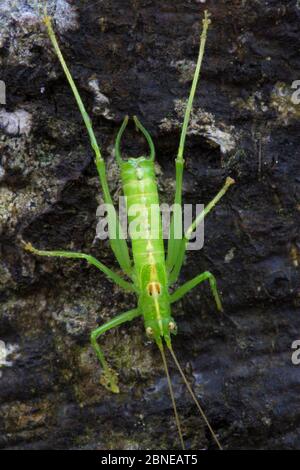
{"type": "Point", "coordinates": [140, 190]}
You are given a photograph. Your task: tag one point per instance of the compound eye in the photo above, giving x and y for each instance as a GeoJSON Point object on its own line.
{"type": "Point", "coordinates": [172, 326]}
{"type": "Point", "coordinates": [149, 332]}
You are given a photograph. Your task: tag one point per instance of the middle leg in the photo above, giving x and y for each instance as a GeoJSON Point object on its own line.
{"type": "Point", "coordinates": [173, 276]}
{"type": "Point", "coordinates": [181, 291]}
{"type": "Point", "coordinates": [90, 259]}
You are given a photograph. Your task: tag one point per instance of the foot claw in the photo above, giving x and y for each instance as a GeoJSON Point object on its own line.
{"type": "Point", "coordinates": [27, 246]}
{"type": "Point", "coordinates": [229, 181]}
{"type": "Point", "coordinates": [109, 380]}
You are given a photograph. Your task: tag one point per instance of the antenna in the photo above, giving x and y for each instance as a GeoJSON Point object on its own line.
{"type": "Point", "coordinates": [161, 348]}
{"type": "Point", "coordinates": [194, 396]}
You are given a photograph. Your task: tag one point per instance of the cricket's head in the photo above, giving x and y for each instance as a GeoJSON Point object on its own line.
{"type": "Point", "coordinates": [160, 329]}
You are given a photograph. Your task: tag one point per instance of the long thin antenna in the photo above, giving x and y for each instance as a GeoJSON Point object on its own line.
{"type": "Point", "coordinates": [161, 348]}
{"type": "Point", "coordinates": [194, 396]}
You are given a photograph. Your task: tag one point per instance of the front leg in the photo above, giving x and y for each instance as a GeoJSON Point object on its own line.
{"type": "Point", "coordinates": [109, 378]}
{"type": "Point", "coordinates": [181, 291]}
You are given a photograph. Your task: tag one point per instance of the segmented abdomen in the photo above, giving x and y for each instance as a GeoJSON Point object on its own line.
{"type": "Point", "coordinates": [140, 189]}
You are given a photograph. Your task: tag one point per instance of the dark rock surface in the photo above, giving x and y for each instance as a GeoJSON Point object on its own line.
{"type": "Point", "coordinates": [140, 54]}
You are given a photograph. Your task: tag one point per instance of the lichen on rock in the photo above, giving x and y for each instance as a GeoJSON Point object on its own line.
{"type": "Point", "coordinates": [202, 123]}
{"type": "Point", "coordinates": [7, 353]}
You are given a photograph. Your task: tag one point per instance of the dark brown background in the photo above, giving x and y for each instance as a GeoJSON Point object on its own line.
{"type": "Point", "coordinates": [240, 364]}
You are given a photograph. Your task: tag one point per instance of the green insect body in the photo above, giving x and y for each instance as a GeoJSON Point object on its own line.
{"type": "Point", "coordinates": [151, 272]}
{"type": "Point", "coordinates": [140, 190]}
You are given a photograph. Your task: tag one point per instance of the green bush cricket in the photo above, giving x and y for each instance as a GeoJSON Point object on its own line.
{"type": "Point", "coordinates": [151, 273]}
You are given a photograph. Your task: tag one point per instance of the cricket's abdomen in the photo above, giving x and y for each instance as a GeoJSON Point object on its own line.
{"type": "Point", "coordinates": [144, 218]}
